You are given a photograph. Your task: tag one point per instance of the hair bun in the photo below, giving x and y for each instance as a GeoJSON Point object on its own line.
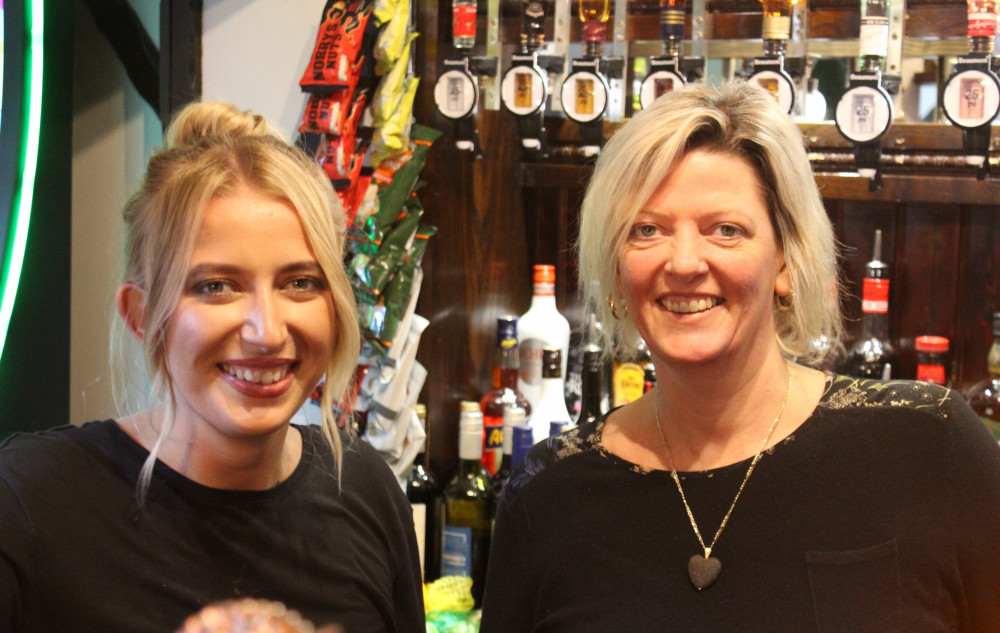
{"type": "Point", "coordinates": [197, 122]}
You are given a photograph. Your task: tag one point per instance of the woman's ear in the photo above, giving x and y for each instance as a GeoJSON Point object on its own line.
{"type": "Point", "coordinates": [131, 302]}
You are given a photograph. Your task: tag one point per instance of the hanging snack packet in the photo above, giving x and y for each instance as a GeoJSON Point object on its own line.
{"type": "Point", "coordinates": [404, 179]}
{"type": "Point", "coordinates": [338, 45]}
{"type": "Point", "coordinates": [393, 135]}
{"type": "Point", "coordinates": [390, 89]}
{"type": "Point", "coordinates": [385, 9]}
{"type": "Point", "coordinates": [392, 39]}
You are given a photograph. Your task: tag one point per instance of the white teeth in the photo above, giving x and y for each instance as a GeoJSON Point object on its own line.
{"type": "Point", "coordinates": [695, 305]}
{"type": "Point", "coordinates": [257, 376]}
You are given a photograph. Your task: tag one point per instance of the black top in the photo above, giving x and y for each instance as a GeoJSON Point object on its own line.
{"type": "Point", "coordinates": [77, 554]}
{"type": "Point", "coordinates": [881, 513]}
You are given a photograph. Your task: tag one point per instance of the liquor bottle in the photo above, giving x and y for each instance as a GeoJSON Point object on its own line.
{"type": "Point", "coordinates": [594, 14]}
{"type": "Point", "coordinates": [931, 363]}
{"type": "Point", "coordinates": [984, 396]}
{"type": "Point", "coordinates": [776, 25]}
{"type": "Point", "coordinates": [873, 355]}
{"type": "Point", "coordinates": [586, 338]}
{"type": "Point", "coordinates": [463, 24]}
{"type": "Point", "coordinates": [503, 395]}
{"type": "Point", "coordinates": [592, 395]}
{"type": "Point", "coordinates": [873, 41]}
{"type": "Point", "coordinates": [982, 26]}
{"type": "Point", "coordinates": [512, 417]}
{"type": "Point", "coordinates": [552, 403]}
{"type": "Point", "coordinates": [532, 25]}
{"type": "Point", "coordinates": [541, 326]}
{"type": "Point", "coordinates": [523, 441]}
{"type": "Point", "coordinates": [629, 377]}
{"type": "Point", "coordinates": [469, 504]}
{"type": "Point", "coordinates": [672, 25]}
{"type": "Point", "coordinates": [424, 494]}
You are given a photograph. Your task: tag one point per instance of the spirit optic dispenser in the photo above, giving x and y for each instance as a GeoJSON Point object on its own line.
{"type": "Point", "coordinates": [524, 88]}
{"type": "Point", "coordinates": [773, 71]}
{"type": "Point", "coordinates": [865, 111]}
{"type": "Point", "coordinates": [456, 93]}
{"type": "Point", "coordinates": [670, 70]}
{"type": "Point", "coordinates": [585, 93]}
{"type": "Point", "coordinates": [971, 96]}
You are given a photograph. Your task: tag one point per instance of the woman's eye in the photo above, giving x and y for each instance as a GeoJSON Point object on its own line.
{"type": "Point", "coordinates": [729, 230]}
{"type": "Point", "coordinates": [306, 284]}
{"type": "Point", "coordinates": [213, 287]}
{"type": "Point", "coordinates": [644, 230]}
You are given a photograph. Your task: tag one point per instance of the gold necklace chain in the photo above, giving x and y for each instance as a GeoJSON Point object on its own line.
{"type": "Point", "coordinates": [753, 462]}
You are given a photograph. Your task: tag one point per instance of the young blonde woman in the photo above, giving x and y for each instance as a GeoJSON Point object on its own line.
{"type": "Point", "coordinates": [235, 289]}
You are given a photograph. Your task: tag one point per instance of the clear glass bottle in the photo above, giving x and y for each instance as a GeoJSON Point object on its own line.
{"type": "Point", "coordinates": [873, 40]}
{"type": "Point", "coordinates": [512, 417]}
{"type": "Point", "coordinates": [982, 26]}
{"type": "Point", "coordinates": [873, 355]}
{"type": "Point", "coordinates": [424, 495]}
{"type": "Point", "coordinates": [984, 396]}
{"type": "Point", "coordinates": [540, 327]}
{"type": "Point", "coordinates": [552, 403]}
{"type": "Point", "coordinates": [504, 393]}
{"type": "Point", "coordinates": [594, 14]}
{"type": "Point", "coordinates": [463, 24]}
{"type": "Point", "coordinates": [469, 503]}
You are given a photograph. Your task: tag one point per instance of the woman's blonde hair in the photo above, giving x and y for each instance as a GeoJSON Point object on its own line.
{"type": "Point", "coordinates": [739, 119]}
{"type": "Point", "coordinates": [211, 150]}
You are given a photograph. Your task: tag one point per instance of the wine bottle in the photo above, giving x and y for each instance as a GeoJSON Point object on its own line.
{"type": "Point", "coordinates": [984, 396]}
{"type": "Point", "coordinates": [512, 417]}
{"type": "Point", "coordinates": [592, 396]}
{"type": "Point", "coordinates": [873, 355]}
{"type": "Point", "coordinates": [552, 403]}
{"type": "Point", "coordinates": [541, 326]}
{"type": "Point", "coordinates": [424, 494]}
{"type": "Point", "coordinates": [469, 505]}
{"type": "Point", "coordinates": [586, 338]}
{"type": "Point", "coordinates": [504, 393]}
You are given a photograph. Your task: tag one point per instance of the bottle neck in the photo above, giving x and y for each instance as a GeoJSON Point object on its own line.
{"type": "Point", "coordinates": [543, 300]}
{"type": "Point", "coordinates": [875, 325]}
{"type": "Point", "coordinates": [590, 391]}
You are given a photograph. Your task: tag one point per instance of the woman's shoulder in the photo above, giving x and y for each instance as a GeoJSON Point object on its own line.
{"type": "Point", "coordinates": [28, 447]}
{"type": "Point", "coordinates": [556, 451]}
{"type": "Point", "coordinates": [847, 392]}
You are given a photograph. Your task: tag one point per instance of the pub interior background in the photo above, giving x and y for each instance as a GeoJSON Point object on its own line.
{"type": "Point", "coordinates": [497, 216]}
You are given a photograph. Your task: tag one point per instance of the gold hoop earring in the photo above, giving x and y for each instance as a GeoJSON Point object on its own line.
{"type": "Point", "coordinates": [784, 302]}
{"type": "Point", "coordinates": [614, 308]}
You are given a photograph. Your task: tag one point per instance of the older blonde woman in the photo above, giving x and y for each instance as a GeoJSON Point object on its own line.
{"type": "Point", "coordinates": [745, 492]}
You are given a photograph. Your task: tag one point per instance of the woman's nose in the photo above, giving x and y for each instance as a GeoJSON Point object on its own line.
{"type": "Point", "coordinates": [686, 259]}
{"type": "Point", "coordinates": [263, 323]}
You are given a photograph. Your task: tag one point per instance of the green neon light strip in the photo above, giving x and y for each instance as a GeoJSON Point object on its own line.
{"type": "Point", "coordinates": [21, 212]}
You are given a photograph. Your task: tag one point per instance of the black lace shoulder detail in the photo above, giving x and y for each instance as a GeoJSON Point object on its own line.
{"type": "Point", "coordinates": [575, 441]}
{"type": "Point", "coordinates": [846, 392]}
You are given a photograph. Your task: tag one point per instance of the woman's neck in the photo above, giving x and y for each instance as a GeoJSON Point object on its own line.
{"type": "Point", "coordinates": [217, 461]}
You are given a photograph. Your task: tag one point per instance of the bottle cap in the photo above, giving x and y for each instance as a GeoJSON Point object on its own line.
{"type": "Point", "coordinates": [421, 411]}
{"type": "Point", "coordinates": [551, 363]}
{"type": "Point", "coordinates": [934, 344]}
{"type": "Point", "coordinates": [507, 331]}
{"type": "Point", "coordinates": [469, 405]}
{"type": "Point", "coordinates": [523, 441]}
{"type": "Point", "coordinates": [470, 431]}
{"type": "Point", "coordinates": [513, 416]}
{"type": "Point", "coordinates": [555, 428]}
{"type": "Point", "coordinates": [545, 279]}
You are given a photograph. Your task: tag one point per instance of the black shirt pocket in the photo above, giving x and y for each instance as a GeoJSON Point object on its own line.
{"type": "Point", "coordinates": [856, 591]}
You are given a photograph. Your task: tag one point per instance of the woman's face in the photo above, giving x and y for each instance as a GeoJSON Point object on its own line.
{"type": "Point", "coordinates": [252, 333]}
{"type": "Point", "coordinates": [701, 264]}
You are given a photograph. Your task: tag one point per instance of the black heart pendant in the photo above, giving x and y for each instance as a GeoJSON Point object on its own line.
{"type": "Point", "coordinates": [704, 571]}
